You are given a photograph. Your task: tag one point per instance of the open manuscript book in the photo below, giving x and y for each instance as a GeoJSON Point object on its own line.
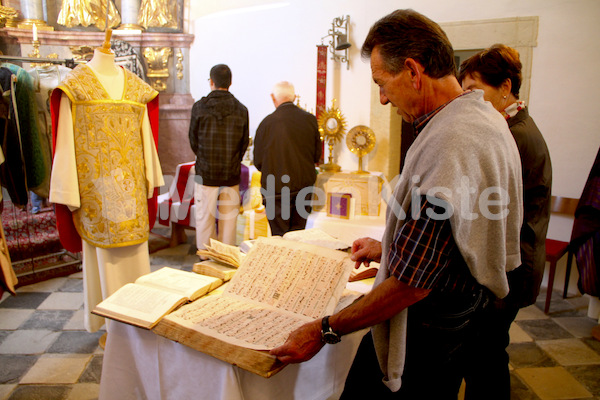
{"type": "Point", "coordinates": [279, 286]}
{"type": "Point", "coordinates": [154, 295]}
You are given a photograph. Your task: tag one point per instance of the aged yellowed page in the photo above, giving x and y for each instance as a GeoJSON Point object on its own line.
{"type": "Point", "coordinates": [280, 285]}
{"type": "Point", "coordinates": [226, 253]}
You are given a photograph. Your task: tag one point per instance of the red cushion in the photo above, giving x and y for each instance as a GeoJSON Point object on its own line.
{"type": "Point", "coordinates": [555, 248]}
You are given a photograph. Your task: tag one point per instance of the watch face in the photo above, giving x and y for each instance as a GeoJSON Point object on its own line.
{"type": "Point", "coordinates": [331, 337]}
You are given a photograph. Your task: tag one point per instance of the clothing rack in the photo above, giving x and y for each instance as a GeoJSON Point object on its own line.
{"type": "Point", "coordinates": [69, 62]}
{"type": "Point", "coordinates": [39, 255]}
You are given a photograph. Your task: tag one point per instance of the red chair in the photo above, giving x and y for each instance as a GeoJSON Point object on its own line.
{"type": "Point", "coordinates": [556, 249]}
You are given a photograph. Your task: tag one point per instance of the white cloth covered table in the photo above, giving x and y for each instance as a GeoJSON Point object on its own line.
{"type": "Point", "coordinates": [348, 230]}
{"type": "Point", "coordinates": [139, 364]}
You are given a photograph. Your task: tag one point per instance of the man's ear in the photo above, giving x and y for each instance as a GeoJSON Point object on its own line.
{"type": "Point", "coordinates": [415, 71]}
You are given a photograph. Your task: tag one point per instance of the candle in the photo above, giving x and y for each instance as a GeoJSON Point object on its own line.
{"type": "Point", "coordinates": [35, 37]}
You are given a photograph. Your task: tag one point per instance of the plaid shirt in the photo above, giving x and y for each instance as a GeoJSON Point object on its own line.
{"type": "Point", "coordinates": [219, 137]}
{"type": "Point", "coordinates": [424, 254]}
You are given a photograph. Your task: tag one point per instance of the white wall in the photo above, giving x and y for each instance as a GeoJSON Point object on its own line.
{"type": "Point", "coordinates": [277, 41]}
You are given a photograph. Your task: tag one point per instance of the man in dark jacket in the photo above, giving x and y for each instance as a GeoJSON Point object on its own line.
{"type": "Point", "coordinates": [286, 147]}
{"type": "Point", "coordinates": [219, 137]}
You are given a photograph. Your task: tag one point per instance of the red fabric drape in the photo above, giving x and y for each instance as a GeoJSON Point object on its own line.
{"type": "Point", "coordinates": [321, 83]}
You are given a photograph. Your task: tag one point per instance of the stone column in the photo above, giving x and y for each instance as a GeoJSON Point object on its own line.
{"type": "Point", "coordinates": [33, 13]}
{"type": "Point", "coordinates": [129, 14]}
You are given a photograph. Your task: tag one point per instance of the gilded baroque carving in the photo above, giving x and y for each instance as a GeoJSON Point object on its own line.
{"type": "Point", "coordinates": [88, 12]}
{"type": "Point", "coordinates": [157, 60]}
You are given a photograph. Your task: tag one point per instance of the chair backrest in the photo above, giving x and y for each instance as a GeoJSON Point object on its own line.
{"type": "Point", "coordinates": [563, 205]}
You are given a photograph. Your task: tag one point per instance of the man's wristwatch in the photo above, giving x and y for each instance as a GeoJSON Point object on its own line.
{"type": "Point", "coordinates": [327, 334]}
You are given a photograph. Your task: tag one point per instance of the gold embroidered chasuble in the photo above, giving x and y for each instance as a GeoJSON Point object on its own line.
{"type": "Point", "coordinates": [110, 159]}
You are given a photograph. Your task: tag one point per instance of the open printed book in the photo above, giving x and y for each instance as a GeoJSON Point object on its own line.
{"type": "Point", "coordinates": [279, 286]}
{"type": "Point", "coordinates": [154, 295]}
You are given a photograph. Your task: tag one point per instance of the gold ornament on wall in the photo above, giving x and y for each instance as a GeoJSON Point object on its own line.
{"type": "Point", "coordinates": [158, 13]}
{"type": "Point", "coordinates": [360, 141]}
{"type": "Point", "coordinates": [332, 126]}
{"type": "Point", "coordinates": [88, 12]}
{"type": "Point", "coordinates": [179, 64]}
{"type": "Point", "coordinates": [158, 71]}
{"type": "Point", "coordinates": [8, 17]}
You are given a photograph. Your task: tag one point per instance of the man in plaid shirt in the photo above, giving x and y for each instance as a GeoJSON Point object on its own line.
{"type": "Point", "coordinates": [452, 227]}
{"type": "Point", "coordinates": [219, 136]}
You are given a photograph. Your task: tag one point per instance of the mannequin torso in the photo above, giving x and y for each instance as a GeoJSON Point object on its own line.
{"type": "Point", "coordinates": [108, 73]}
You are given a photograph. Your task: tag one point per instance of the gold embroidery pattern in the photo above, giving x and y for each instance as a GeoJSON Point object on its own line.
{"type": "Point", "coordinates": [110, 160]}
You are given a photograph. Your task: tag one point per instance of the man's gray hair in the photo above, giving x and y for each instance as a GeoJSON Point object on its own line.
{"type": "Point", "coordinates": [284, 91]}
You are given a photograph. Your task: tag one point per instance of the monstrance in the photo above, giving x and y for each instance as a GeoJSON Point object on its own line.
{"type": "Point", "coordinates": [360, 141]}
{"type": "Point", "coordinates": [332, 127]}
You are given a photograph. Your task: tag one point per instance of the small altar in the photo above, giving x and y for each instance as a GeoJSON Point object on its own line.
{"type": "Point", "coordinates": [366, 217]}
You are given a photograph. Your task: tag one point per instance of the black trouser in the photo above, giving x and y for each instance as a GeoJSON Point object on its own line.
{"type": "Point", "coordinates": [487, 375]}
{"type": "Point", "coordinates": [285, 215]}
{"type": "Point", "coordinates": [438, 333]}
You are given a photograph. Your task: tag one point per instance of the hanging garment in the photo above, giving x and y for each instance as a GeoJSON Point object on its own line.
{"type": "Point", "coordinates": [8, 278]}
{"type": "Point", "coordinates": [112, 182]}
{"type": "Point", "coordinates": [46, 79]}
{"type": "Point", "coordinates": [12, 171]}
{"type": "Point", "coordinates": [28, 127]}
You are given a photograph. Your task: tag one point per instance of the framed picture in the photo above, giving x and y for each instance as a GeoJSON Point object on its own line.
{"type": "Point", "coordinates": [340, 205]}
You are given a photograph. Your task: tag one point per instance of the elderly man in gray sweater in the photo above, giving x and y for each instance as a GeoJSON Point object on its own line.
{"type": "Point", "coordinates": [452, 228]}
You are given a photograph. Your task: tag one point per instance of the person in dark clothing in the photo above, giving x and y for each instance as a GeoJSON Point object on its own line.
{"type": "Point", "coordinates": [219, 136]}
{"type": "Point", "coordinates": [497, 71]}
{"type": "Point", "coordinates": [286, 147]}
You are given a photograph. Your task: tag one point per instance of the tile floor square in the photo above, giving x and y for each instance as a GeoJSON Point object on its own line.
{"type": "Point", "coordinates": [5, 390]}
{"type": "Point", "coordinates": [57, 368]}
{"type": "Point", "coordinates": [72, 285]}
{"type": "Point", "coordinates": [62, 301]}
{"type": "Point", "coordinates": [76, 322]}
{"type": "Point", "coordinates": [14, 367]}
{"type": "Point", "coordinates": [24, 300]}
{"type": "Point", "coordinates": [518, 335]}
{"type": "Point", "coordinates": [553, 383]}
{"type": "Point", "coordinates": [28, 342]}
{"type": "Point", "coordinates": [577, 326]}
{"type": "Point", "coordinates": [84, 391]}
{"type": "Point", "coordinates": [527, 355]}
{"type": "Point", "coordinates": [530, 312]}
{"type": "Point", "coordinates": [53, 320]}
{"type": "Point", "coordinates": [544, 329]}
{"type": "Point", "coordinates": [40, 392]}
{"type": "Point", "coordinates": [11, 319]}
{"type": "Point", "coordinates": [588, 375]}
{"type": "Point", "coordinates": [75, 342]}
{"type": "Point", "coordinates": [569, 351]}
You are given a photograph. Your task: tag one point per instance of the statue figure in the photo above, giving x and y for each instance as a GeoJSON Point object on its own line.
{"type": "Point", "coordinates": [158, 13]}
{"type": "Point", "coordinates": [88, 12]}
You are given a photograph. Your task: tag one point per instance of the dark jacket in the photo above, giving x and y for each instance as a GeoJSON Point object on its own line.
{"type": "Point", "coordinates": [287, 142]}
{"type": "Point", "coordinates": [525, 281]}
{"type": "Point", "coordinates": [219, 136]}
